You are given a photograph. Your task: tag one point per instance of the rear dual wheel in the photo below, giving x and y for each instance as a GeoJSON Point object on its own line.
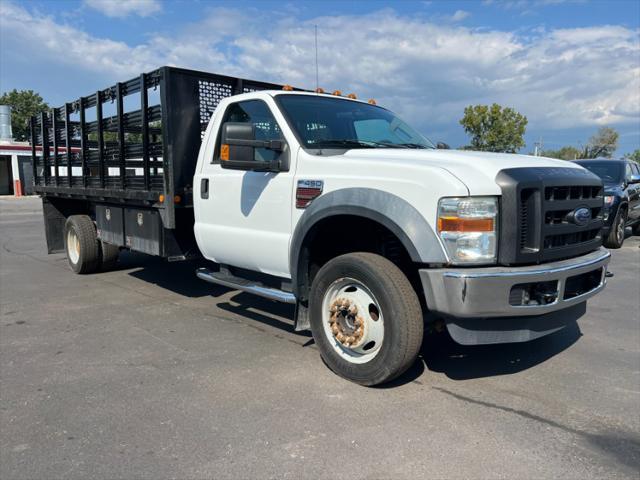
{"type": "Point", "coordinates": [85, 252]}
{"type": "Point", "coordinates": [366, 318]}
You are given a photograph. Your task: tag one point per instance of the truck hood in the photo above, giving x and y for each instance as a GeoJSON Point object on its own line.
{"type": "Point", "coordinates": [477, 170]}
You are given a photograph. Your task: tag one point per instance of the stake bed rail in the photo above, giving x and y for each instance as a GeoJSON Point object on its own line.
{"type": "Point", "coordinates": [135, 142]}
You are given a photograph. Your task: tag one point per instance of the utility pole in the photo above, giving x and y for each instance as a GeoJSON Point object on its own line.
{"type": "Point", "coordinates": [538, 146]}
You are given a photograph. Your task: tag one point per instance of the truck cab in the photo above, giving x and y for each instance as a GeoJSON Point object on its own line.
{"type": "Point", "coordinates": [288, 182]}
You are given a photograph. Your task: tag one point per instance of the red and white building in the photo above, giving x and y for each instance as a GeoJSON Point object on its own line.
{"type": "Point", "coordinates": [16, 167]}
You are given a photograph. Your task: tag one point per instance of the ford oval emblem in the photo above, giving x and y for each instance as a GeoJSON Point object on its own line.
{"type": "Point", "coordinates": [580, 216]}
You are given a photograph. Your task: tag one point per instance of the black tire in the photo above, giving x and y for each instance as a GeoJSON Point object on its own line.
{"type": "Point", "coordinates": [399, 304]}
{"type": "Point", "coordinates": [109, 257]}
{"type": "Point", "coordinates": [86, 258]}
{"type": "Point", "coordinates": [615, 239]}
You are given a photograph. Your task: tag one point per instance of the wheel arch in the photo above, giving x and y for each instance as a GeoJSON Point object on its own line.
{"type": "Point", "coordinates": [385, 209]}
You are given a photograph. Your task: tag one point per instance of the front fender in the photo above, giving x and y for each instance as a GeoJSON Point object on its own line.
{"type": "Point", "coordinates": [389, 210]}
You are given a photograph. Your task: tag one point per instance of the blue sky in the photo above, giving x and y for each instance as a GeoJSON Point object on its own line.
{"type": "Point", "coordinates": [570, 66]}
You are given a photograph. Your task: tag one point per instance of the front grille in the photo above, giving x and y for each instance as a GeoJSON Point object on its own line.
{"type": "Point", "coordinates": [559, 233]}
{"type": "Point", "coordinates": [538, 207]}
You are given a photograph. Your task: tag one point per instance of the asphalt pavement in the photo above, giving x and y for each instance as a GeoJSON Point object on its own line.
{"type": "Point", "coordinates": [148, 372]}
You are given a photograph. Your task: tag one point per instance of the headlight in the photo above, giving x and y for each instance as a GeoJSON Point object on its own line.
{"type": "Point", "coordinates": [468, 229]}
{"type": "Point", "coordinates": [608, 200]}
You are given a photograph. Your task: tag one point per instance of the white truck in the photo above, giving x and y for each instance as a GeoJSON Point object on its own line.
{"type": "Point", "coordinates": [327, 202]}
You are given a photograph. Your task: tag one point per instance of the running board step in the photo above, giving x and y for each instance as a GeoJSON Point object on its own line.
{"type": "Point", "coordinates": [237, 283]}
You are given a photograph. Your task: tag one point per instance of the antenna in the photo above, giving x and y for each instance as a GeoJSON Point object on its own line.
{"type": "Point", "coordinates": [316, 37]}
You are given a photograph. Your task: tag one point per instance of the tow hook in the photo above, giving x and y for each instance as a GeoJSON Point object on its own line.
{"type": "Point", "coordinates": [608, 274]}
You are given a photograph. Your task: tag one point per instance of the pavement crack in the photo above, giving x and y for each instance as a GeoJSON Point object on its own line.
{"type": "Point", "coordinates": [521, 413]}
{"type": "Point", "coordinates": [622, 446]}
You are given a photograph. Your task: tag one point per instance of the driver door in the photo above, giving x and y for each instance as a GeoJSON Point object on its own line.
{"type": "Point", "coordinates": [245, 219]}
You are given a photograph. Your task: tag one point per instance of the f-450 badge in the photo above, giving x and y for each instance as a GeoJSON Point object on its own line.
{"type": "Point", "coordinates": [307, 191]}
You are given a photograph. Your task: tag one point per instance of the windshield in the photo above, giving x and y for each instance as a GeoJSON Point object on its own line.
{"type": "Point", "coordinates": [325, 122]}
{"type": "Point", "coordinates": [609, 172]}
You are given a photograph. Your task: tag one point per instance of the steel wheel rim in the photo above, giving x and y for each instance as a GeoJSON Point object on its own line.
{"type": "Point", "coordinates": [352, 321]}
{"type": "Point", "coordinates": [621, 229]}
{"type": "Point", "coordinates": [73, 246]}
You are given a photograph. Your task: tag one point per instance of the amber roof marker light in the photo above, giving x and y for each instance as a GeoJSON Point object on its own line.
{"type": "Point", "coordinates": [287, 88]}
{"type": "Point", "coordinates": [372, 102]}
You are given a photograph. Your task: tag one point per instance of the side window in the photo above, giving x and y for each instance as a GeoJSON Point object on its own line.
{"type": "Point", "coordinates": [627, 171]}
{"type": "Point", "coordinates": [636, 168]}
{"type": "Point", "coordinates": [257, 113]}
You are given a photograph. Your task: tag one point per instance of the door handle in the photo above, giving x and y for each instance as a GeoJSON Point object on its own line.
{"type": "Point", "coordinates": [204, 188]}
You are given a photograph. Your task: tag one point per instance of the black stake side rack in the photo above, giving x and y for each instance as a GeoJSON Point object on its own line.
{"type": "Point", "coordinates": [135, 142]}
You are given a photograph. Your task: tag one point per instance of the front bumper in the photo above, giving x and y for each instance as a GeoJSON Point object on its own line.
{"type": "Point", "coordinates": [487, 292]}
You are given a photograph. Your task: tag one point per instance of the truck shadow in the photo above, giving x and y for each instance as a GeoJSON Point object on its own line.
{"type": "Point", "coordinates": [278, 315]}
{"type": "Point", "coordinates": [462, 362]}
{"type": "Point", "coordinates": [178, 277]}
{"type": "Point", "coordinates": [439, 353]}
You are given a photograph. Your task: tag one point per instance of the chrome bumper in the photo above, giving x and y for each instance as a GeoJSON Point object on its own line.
{"type": "Point", "coordinates": [484, 292]}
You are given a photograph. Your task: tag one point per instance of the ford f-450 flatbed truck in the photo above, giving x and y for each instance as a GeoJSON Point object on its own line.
{"type": "Point", "coordinates": [323, 201]}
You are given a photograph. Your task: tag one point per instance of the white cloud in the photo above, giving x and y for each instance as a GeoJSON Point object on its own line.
{"type": "Point", "coordinates": [459, 15]}
{"type": "Point", "coordinates": [428, 72]}
{"type": "Point", "coordinates": [124, 8]}
{"type": "Point", "coordinates": [528, 4]}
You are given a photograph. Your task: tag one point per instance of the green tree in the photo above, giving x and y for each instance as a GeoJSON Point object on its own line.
{"type": "Point", "coordinates": [565, 153]}
{"type": "Point", "coordinates": [602, 144]}
{"type": "Point", "coordinates": [633, 156]}
{"type": "Point", "coordinates": [24, 104]}
{"type": "Point", "coordinates": [494, 128]}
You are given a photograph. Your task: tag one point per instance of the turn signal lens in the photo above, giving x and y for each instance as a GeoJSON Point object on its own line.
{"type": "Point", "coordinates": [457, 224]}
{"type": "Point", "coordinates": [161, 198]}
{"type": "Point", "coordinates": [224, 152]}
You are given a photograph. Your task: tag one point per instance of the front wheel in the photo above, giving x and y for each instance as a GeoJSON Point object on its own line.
{"type": "Point", "coordinates": [365, 318]}
{"type": "Point", "coordinates": [615, 239]}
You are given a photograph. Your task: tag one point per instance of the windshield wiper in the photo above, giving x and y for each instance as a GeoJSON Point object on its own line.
{"type": "Point", "coordinates": [346, 143]}
{"type": "Point", "coordinates": [413, 145]}
{"type": "Point", "coordinates": [353, 143]}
